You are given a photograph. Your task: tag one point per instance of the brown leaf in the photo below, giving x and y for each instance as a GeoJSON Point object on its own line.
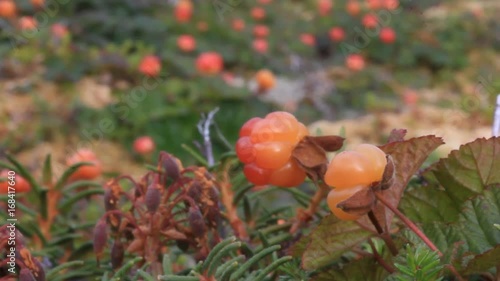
{"type": "Point", "coordinates": [195, 218]}
{"type": "Point", "coordinates": [100, 238]}
{"type": "Point", "coordinates": [136, 246]}
{"type": "Point", "coordinates": [152, 198]}
{"type": "Point", "coordinates": [388, 176]}
{"type": "Point", "coordinates": [328, 143]}
{"type": "Point", "coordinates": [174, 234]}
{"type": "Point", "coordinates": [25, 275]}
{"type": "Point", "coordinates": [360, 203]}
{"type": "Point", "coordinates": [34, 266]}
{"type": "Point", "coordinates": [117, 254]}
{"type": "Point", "coordinates": [311, 157]}
{"type": "Point", "coordinates": [407, 156]}
{"type": "Point", "coordinates": [397, 135]}
{"type": "Point", "coordinates": [171, 167]}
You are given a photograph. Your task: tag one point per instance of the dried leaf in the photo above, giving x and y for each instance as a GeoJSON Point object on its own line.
{"type": "Point", "coordinates": [174, 234]}
{"type": "Point", "coordinates": [397, 135]}
{"type": "Point", "coordinates": [197, 222]}
{"type": "Point", "coordinates": [388, 176]}
{"type": "Point", "coordinates": [26, 275]}
{"type": "Point", "coordinates": [117, 254]}
{"type": "Point", "coordinates": [152, 198]}
{"type": "Point", "coordinates": [34, 266]}
{"type": "Point", "coordinates": [407, 156]}
{"type": "Point", "coordinates": [136, 246]}
{"type": "Point", "coordinates": [171, 166]}
{"type": "Point", "coordinates": [328, 143]}
{"type": "Point", "coordinates": [311, 157]}
{"type": "Point", "coordinates": [100, 238]}
{"type": "Point", "coordinates": [360, 203]}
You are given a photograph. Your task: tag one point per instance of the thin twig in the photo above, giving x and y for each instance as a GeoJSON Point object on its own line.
{"type": "Point", "coordinates": [379, 258]}
{"type": "Point", "coordinates": [204, 129]}
{"type": "Point", "coordinates": [385, 235]}
{"type": "Point", "coordinates": [418, 232]}
{"type": "Point", "coordinates": [303, 216]}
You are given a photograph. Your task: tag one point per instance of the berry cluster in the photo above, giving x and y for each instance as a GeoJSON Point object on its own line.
{"type": "Point", "coordinates": [351, 171]}
{"type": "Point", "coordinates": [265, 147]}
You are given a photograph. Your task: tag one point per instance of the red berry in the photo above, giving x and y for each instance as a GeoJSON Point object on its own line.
{"type": "Point", "coordinates": [260, 45]}
{"type": "Point", "coordinates": [245, 150]}
{"type": "Point", "coordinates": [87, 172]}
{"type": "Point", "coordinates": [144, 145]}
{"type": "Point", "coordinates": [387, 35]}
{"type": "Point", "coordinates": [260, 31]}
{"type": "Point", "coordinates": [266, 145]}
{"type": "Point", "coordinates": [258, 13]}
{"type": "Point", "coordinates": [238, 24]}
{"type": "Point", "coordinates": [370, 21]}
{"type": "Point", "coordinates": [59, 30]}
{"type": "Point", "coordinates": [183, 11]}
{"type": "Point", "coordinates": [150, 66]}
{"type": "Point", "coordinates": [256, 175]}
{"type": "Point", "coordinates": [324, 7]}
{"type": "Point", "coordinates": [287, 176]}
{"type": "Point", "coordinates": [209, 63]}
{"type": "Point", "coordinates": [307, 39]}
{"type": "Point", "coordinates": [20, 185]}
{"type": "Point", "coordinates": [186, 43]}
{"type": "Point", "coordinates": [353, 7]}
{"type": "Point", "coordinates": [247, 128]}
{"type": "Point", "coordinates": [355, 62]}
{"type": "Point", "coordinates": [337, 34]}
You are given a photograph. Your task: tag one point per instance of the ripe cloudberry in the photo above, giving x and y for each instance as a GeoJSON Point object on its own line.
{"type": "Point", "coordinates": [265, 147]}
{"type": "Point", "coordinates": [336, 196]}
{"type": "Point", "coordinates": [350, 171]}
{"type": "Point", "coordinates": [362, 165]}
{"type": "Point", "coordinates": [265, 79]}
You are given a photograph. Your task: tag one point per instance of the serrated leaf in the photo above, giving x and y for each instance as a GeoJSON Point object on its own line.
{"type": "Point", "coordinates": [473, 233]}
{"type": "Point", "coordinates": [468, 171]}
{"type": "Point", "coordinates": [484, 261]}
{"type": "Point", "coordinates": [407, 156]}
{"type": "Point", "coordinates": [428, 204]}
{"type": "Point", "coordinates": [330, 240]}
{"type": "Point", "coordinates": [365, 269]}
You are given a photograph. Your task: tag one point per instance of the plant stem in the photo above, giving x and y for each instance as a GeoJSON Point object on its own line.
{"type": "Point", "coordinates": [375, 222]}
{"type": "Point", "coordinates": [379, 258]}
{"type": "Point", "coordinates": [418, 232]}
{"type": "Point", "coordinates": [386, 236]}
{"type": "Point", "coordinates": [227, 198]}
{"type": "Point", "coordinates": [303, 216]}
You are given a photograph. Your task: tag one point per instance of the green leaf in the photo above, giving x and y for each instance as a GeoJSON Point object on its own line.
{"type": "Point", "coordinates": [428, 204]}
{"type": "Point", "coordinates": [407, 156]}
{"type": "Point", "coordinates": [47, 170]}
{"type": "Point", "coordinates": [484, 261]}
{"type": "Point", "coordinates": [468, 171]}
{"type": "Point", "coordinates": [330, 240]}
{"type": "Point", "coordinates": [473, 233]}
{"type": "Point", "coordinates": [71, 170]}
{"type": "Point", "coordinates": [365, 269]}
